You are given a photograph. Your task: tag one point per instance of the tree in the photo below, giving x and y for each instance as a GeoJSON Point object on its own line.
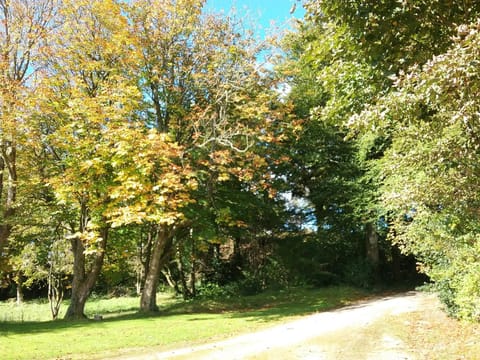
{"type": "Point", "coordinates": [151, 185]}
{"type": "Point", "coordinates": [354, 51]}
{"type": "Point", "coordinates": [430, 182]}
{"type": "Point", "coordinates": [204, 89]}
{"type": "Point", "coordinates": [59, 269]}
{"type": "Point", "coordinates": [327, 87]}
{"type": "Point", "coordinates": [421, 123]}
{"type": "Point", "coordinates": [89, 96]}
{"type": "Point", "coordinates": [24, 31]}
{"type": "Point", "coordinates": [394, 35]}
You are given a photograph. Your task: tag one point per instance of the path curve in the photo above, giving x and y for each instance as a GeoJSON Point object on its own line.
{"type": "Point", "coordinates": [295, 333]}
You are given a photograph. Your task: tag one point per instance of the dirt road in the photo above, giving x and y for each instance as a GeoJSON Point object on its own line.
{"type": "Point", "coordinates": [356, 332]}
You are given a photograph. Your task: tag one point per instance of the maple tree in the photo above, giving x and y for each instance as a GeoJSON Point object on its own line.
{"type": "Point", "coordinates": [139, 107]}
{"type": "Point", "coordinates": [89, 97]}
{"type": "Point", "coordinates": [152, 184]}
{"type": "Point", "coordinates": [204, 88]}
{"type": "Point", "coordinates": [145, 116]}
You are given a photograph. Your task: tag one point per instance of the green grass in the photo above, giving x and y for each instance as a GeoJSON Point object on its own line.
{"type": "Point", "coordinates": [39, 310]}
{"type": "Point", "coordinates": [26, 334]}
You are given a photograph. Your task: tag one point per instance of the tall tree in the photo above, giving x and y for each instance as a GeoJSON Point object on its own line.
{"type": "Point", "coordinates": [355, 49]}
{"type": "Point", "coordinates": [431, 169]}
{"type": "Point", "coordinates": [152, 184]}
{"type": "Point", "coordinates": [203, 88]}
{"type": "Point", "coordinates": [24, 29]}
{"type": "Point", "coordinates": [89, 96]}
{"type": "Point", "coordinates": [327, 87]}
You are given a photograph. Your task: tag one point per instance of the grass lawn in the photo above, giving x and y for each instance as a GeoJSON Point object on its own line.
{"type": "Point", "coordinates": [26, 333]}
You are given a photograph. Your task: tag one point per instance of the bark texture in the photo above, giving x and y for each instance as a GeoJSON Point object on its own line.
{"type": "Point", "coordinates": [8, 171]}
{"type": "Point", "coordinates": [85, 274]}
{"type": "Point", "coordinates": [161, 251]}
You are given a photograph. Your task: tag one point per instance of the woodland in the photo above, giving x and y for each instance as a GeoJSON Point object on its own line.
{"type": "Point", "coordinates": [147, 144]}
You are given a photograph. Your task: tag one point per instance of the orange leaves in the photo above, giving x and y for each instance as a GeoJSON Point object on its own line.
{"type": "Point", "coordinates": [136, 98]}
{"type": "Point", "coordinates": [151, 183]}
{"type": "Point", "coordinates": [221, 157]}
{"type": "Point", "coordinates": [23, 26]}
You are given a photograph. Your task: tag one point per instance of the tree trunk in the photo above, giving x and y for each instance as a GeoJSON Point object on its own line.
{"type": "Point", "coordinates": [162, 248]}
{"type": "Point", "coordinates": [2, 169]}
{"type": "Point", "coordinates": [181, 270]}
{"type": "Point", "coordinates": [19, 284]}
{"type": "Point", "coordinates": [396, 263]}
{"type": "Point", "coordinates": [5, 230]}
{"type": "Point", "coordinates": [372, 244]}
{"type": "Point", "coordinates": [55, 291]}
{"type": "Point", "coordinates": [193, 275]}
{"type": "Point", "coordinates": [373, 255]}
{"type": "Point", "coordinates": [144, 256]}
{"type": "Point", "coordinates": [8, 162]}
{"type": "Point", "coordinates": [170, 280]}
{"type": "Point", "coordinates": [80, 294]}
{"type": "Point", "coordinates": [84, 279]}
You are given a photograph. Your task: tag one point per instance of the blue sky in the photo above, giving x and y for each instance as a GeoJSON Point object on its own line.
{"type": "Point", "coordinates": [263, 11]}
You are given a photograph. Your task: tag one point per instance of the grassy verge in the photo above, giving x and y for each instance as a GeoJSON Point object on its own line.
{"type": "Point", "coordinates": [433, 335]}
{"type": "Point", "coordinates": [178, 324]}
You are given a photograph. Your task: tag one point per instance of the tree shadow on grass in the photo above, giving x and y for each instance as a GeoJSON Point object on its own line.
{"type": "Point", "coordinates": [308, 305]}
{"type": "Point", "coordinates": [273, 306]}
{"type": "Point", "coordinates": [33, 327]}
{"type": "Point", "coordinates": [266, 307]}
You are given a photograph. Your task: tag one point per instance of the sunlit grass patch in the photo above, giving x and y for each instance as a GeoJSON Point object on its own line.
{"type": "Point", "coordinates": [178, 324]}
{"type": "Point", "coordinates": [38, 310]}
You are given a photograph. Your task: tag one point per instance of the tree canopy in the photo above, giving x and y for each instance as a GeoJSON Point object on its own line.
{"type": "Point", "coordinates": [145, 141]}
{"type": "Point", "coordinates": [400, 76]}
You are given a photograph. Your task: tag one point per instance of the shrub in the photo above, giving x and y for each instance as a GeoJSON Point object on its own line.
{"type": "Point", "coordinates": [359, 272]}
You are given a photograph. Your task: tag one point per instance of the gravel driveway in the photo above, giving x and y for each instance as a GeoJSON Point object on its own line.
{"type": "Point", "coordinates": [313, 336]}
